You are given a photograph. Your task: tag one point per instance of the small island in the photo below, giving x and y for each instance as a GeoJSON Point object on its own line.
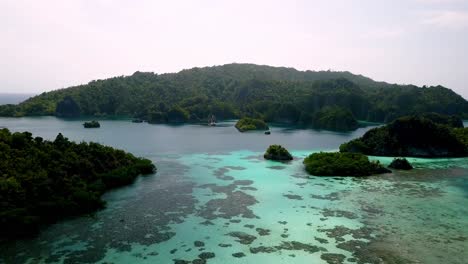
{"type": "Point", "coordinates": [277, 153]}
{"type": "Point", "coordinates": [247, 123]}
{"type": "Point", "coordinates": [92, 124]}
{"type": "Point", "coordinates": [412, 136]}
{"type": "Point", "coordinates": [342, 164]}
{"type": "Point", "coordinates": [400, 164]}
{"type": "Point", "coordinates": [44, 181]}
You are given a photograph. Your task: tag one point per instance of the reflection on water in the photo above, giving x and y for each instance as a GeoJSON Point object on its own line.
{"type": "Point", "coordinates": [224, 204]}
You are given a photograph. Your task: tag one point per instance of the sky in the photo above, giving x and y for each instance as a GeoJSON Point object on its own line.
{"type": "Point", "coordinates": [52, 44]}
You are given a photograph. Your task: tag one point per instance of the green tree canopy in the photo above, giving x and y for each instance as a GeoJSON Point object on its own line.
{"type": "Point", "coordinates": [42, 181]}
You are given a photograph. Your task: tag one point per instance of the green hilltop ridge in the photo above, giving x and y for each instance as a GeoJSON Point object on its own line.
{"type": "Point", "coordinates": [43, 181]}
{"type": "Point", "coordinates": [323, 99]}
{"type": "Point", "coordinates": [413, 136]}
{"type": "Point", "coordinates": [246, 124]}
{"type": "Point", "coordinates": [451, 121]}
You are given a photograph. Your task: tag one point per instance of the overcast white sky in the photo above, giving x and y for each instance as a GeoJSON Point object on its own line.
{"type": "Point", "coordinates": [46, 45]}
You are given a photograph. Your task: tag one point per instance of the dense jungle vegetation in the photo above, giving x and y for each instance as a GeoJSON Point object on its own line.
{"type": "Point", "coordinates": [247, 124]}
{"type": "Point", "coordinates": [42, 181]}
{"type": "Point", "coordinates": [278, 153]}
{"type": "Point", "coordinates": [273, 94]}
{"type": "Point", "coordinates": [342, 164]}
{"type": "Point", "coordinates": [417, 136]}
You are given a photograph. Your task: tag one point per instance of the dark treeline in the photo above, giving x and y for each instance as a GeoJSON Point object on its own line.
{"type": "Point", "coordinates": [42, 181]}
{"type": "Point", "coordinates": [237, 90]}
{"type": "Point", "coordinates": [429, 135]}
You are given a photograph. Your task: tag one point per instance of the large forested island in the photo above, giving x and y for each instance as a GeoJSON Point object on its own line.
{"type": "Point", "coordinates": [324, 99]}
{"type": "Point", "coordinates": [42, 181]}
{"type": "Point", "coordinates": [429, 135]}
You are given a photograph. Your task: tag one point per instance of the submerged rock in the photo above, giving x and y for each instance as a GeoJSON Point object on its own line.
{"type": "Point", "coordinates": [181, 261]}
{"type": "Point", "coordinates": [293, 196]}
{"type": "Point", "coordinates": [262, 231]}
{"type": "Point", "coordinates": [238, 255]}
{"type": "Point", "coordinates": [242, 237]}
{"type": "Point", "coordinates": [198, 244]}
{"type": "Point", "coordinates": [224, 245]}
{"type": "Point", "coordinates": [333, 258]}
{"type": "Point", "coordinates": [262, 249]}
{"type": "Point", "coordinates": [321, 240]}
{"type": "Point", "coordinates": [296, 245]}
{"type": "Point", "coordinates": [206, 255]}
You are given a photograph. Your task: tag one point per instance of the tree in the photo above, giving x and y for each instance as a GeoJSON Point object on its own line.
{"type": "Point", "coordinates": [67, 108]}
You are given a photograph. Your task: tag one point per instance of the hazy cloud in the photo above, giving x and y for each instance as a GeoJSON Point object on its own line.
{"type": "Point", "coordinates": [50, 44]}
{"type": "Point", "coordinates": [385, 33]}
{"type": "Point", "coordinates": [440, 2]}
{"type": "Point", "coordinates": [447, 19]}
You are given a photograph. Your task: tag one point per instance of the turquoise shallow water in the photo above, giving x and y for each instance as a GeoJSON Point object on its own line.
{"type": "Point", "coordinates": [211, 196]}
